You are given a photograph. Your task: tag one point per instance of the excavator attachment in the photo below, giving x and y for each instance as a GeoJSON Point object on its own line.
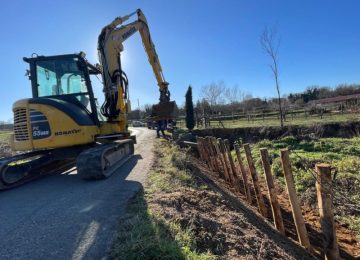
{"type": "Point", "coordinates": [164, 111]}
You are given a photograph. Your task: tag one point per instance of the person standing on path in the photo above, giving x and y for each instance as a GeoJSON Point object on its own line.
{"type": "Point", "coordinates": [160, 127]}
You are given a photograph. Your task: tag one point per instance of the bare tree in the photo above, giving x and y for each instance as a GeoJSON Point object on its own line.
{"type": "Point", "coordinates": [233, 96]}
{"type": "Point", "coordinates": [213, 93]}
{"type": "Point", "coordinates": [270, 44]}
{"type": "Point", "coordinates": [147, 108]}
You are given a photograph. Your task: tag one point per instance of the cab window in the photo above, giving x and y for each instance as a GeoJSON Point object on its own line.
{"type": "Point", "coordinates": [62, 77]}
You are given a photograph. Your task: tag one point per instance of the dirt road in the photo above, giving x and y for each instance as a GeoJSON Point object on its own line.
{"type": "Point", "coordinates": [64, 217]}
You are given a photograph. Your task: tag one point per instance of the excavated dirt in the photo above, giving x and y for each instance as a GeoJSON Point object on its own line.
{"type": "Point", "coordinates": [221, 223]}
{"type": "Point", "coordinates": [224, 229]}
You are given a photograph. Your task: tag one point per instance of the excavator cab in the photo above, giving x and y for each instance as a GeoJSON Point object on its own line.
{"type": "Point", "coordinates": [64, 77]}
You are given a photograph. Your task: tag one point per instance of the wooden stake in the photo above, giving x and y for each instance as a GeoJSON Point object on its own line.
{"type": "Point", "coordinates": [275, 207]}
{"type": "Point", "coordinates": [219, 163]}
{"type": "Point", "coordinates": [214, 155]}
{"type": "Point", "coordinates": [254, 177]}
{"type": "Point", "coordinates": [296, 210]}
{"type": "Point", "coordinates": [223, 160]}
{"type": "Point", "coordinates": [232, 165]}
{"type": "Point", "coordinates": [205, 152]}
{"type": "Point", "coordinates": [200, 148]}
{"type": "Point", "coordinates": [227, 162]}
{"type": "Point", "coordinates": [243, 174]}
{"type": "Point", "coordinates": [325, 195]}
{"type": "Point", "coordinates": [210, 151]}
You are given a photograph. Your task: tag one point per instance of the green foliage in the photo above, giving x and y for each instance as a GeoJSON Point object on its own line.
{"type": "Point", "coordinates": [189, 108]}
{"type": "Point", "coordinates": [341, 153]}
{"type": "Point", "coordinates": [353, 223]}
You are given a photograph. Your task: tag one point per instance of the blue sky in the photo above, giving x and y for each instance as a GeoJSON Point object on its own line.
{"type": "Point", "coordinates": [198, 42]}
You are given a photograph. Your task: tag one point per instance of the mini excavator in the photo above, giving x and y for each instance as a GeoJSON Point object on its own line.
{"type": "Point", "coordinates": [62, 126]}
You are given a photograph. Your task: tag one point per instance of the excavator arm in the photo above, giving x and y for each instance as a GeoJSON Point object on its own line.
{"type": "Point", "coordinates": [110, 47]}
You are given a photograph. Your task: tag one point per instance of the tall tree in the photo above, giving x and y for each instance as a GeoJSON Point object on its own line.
{"type": "Point", "coordinates": [270, 44]}
{"type": "Point", "coordinates": [189, 108]}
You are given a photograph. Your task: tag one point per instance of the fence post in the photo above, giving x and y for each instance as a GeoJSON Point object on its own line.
{"type": "Point", "coordinates": [200, 148]}
{"type": "Point", "coordinates": [211, 153]}
{"type": "Point", "coordinates": [325, 194]}
{"type": "Point", "coordinates": [212, 141]}
{"type": "Point", "coordinates": [223, 159]}
{"type": "Point", "coordinates": [243, 174]}
{"type": "Point", "coordinates": [254, 177]}
{"type": "Point", "coordinates": [227, 162]}
{"type": "Point", "coordinates": [206, 152]}
{"type": "Point", "coordinates": [275, 207]}
{"type": "Point", "coordinates": [219, 163]}
{"type": "Point", "coordinates": [232, 165]}
{"type": "Point", "coordinates": [296, 210]}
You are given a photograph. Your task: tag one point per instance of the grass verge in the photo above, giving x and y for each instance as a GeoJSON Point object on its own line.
{"type": "Point", "coordinates": [144, 234]}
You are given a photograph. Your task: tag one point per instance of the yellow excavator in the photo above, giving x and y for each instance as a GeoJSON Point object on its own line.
{"type": "Point", "coordinates": [62, 125]}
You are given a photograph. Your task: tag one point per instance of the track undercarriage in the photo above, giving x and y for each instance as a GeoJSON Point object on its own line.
{"type": "Point", "coordinates": [94, 161]}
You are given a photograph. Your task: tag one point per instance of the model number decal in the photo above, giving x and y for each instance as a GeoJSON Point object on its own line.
{"type": "Point", "coordinates": [40, 130]}
{"type": "Point", "coordinates": [68, 132]}
{"type": "Point", "coordinates": [40, 133]}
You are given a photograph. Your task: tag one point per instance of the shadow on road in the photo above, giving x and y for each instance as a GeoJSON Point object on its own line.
{"type": "Point", "coordinates": [64, 215]}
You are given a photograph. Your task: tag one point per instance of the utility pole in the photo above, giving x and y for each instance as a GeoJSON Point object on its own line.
{"type": "Point", "coordinates": [139, 108]}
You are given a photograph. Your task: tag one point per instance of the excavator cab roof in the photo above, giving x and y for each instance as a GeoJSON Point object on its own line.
{"type": "Point", "coordinates": [81, 56]}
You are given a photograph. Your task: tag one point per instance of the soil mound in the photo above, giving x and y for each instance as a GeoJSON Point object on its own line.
{"type": "Point", "coordinates": [222, 228]}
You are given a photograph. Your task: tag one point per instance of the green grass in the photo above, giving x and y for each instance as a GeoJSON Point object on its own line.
{"type": "Point", "coordinates": [144, 234]}
{"type": "Point", "coordinates": [273, 121]}
{"type": "Point", "coordinates": [341, 153]}
{"type": "Point", "coordinates": [5, 135]}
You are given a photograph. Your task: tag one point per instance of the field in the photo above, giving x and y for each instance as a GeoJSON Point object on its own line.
{"type": "Point", "coordinates": [274, 121]}
{"type": "Point", "coordinates": [4, 135]}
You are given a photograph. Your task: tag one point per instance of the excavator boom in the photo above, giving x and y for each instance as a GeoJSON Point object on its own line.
{"type": "Point", "coordinates": [110, 46]}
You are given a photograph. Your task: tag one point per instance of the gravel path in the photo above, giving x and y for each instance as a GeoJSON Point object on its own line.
{"type": "Point", "coordinates": [64, 217]}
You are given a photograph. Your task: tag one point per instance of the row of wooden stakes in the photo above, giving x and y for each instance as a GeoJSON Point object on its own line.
{"type": "Point", "coordinates": [216, 154]}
